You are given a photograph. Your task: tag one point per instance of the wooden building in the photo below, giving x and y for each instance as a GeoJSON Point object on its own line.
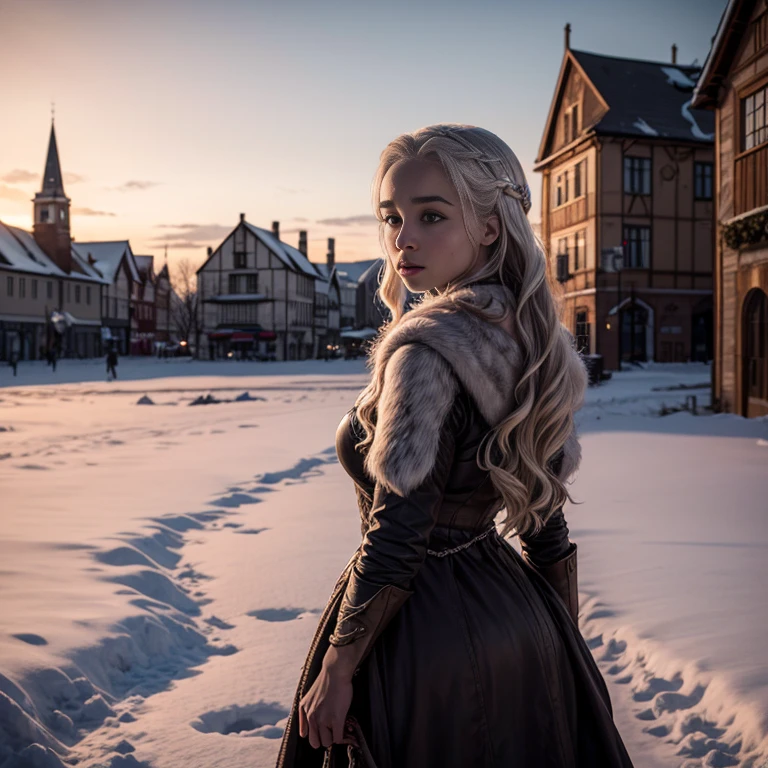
{"type": "Point", "coordinates": [627, 168]}
{"type": "Point", "coordinates": [734, 84]}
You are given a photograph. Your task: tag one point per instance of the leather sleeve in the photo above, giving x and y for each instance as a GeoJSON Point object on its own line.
{"type": "Point", "coordinates": [393, 550]}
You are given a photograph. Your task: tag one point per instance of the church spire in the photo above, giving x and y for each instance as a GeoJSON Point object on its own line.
{"type": "Point", "coordinates": [53, 186]}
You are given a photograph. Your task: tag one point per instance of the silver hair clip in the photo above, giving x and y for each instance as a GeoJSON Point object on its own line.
{"type": "Point", "coordinates": [519, 192]}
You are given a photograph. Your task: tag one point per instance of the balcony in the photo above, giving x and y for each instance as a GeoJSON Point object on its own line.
{"type": "Point", "coordinates": [750, 181]}
{"type": "Point", "coordinates": [572, 213]}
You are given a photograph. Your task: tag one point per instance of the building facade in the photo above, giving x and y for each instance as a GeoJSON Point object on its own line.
{"type": "Point", "coordinates": [627, 169]}
{"type": "Point", "coordinates": [734, 85]}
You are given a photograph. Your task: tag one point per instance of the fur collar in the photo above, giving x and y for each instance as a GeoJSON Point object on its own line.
{"type": "Point", "coordinates": [422, 358]}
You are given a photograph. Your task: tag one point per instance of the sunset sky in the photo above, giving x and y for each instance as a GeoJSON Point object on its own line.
{"type": "Point", "coordinates": [173, 116]}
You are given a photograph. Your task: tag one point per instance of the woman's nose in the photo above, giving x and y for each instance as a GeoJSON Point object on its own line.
{"type": "Point", "coordinates": [406, 240]}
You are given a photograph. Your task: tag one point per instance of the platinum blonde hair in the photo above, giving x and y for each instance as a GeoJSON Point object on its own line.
{"type": "Point", "coordinates": [489, 179]}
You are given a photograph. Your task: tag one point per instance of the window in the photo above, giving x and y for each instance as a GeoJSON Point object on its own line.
{"type": "Point", "coordinates": [577, 180]}
{"type": "Point", "coordinates": [582, 331]}
{"type": "Point", "coordinates": [574, 121]}
{"type": "Point", "coordinates": [252, 284]}
{"type": "Point", "coordinates": [62, 214]}
{"type": "Point", "coordinates": [87, 294]}
{"type": "Point", "coordinates": [34, 289]}
{"type": "Point", "coordinates": [9, 287]}
{"type": "Point", "coordinates": [702, 181]}
{"type": "Point", "coordinates": [567, 126]}
{"type": "Point", "coordinates": [637, 247]}
{"type": "Point", "coordinates": [77, 294]}
{"type": "Point", "coordinates": [754, 130]}
{"type": "Point", "coordinates": [233, 287]}
{"type": "Point", "coordinates": [559, 196]}
{"type": "Point", "coordinates": [49, 289]}
{"type": "Point", "coordinates": [22, 288]}
{"type": "Point", "coordinates": [69, 293]}
{"type": "Point", "coordinates": [241, 260]}
{"type": "Point", "coordinates": [637, 175]}
{"type": "Point", "coordinates": [579, 250]}
{"type": "Point", "coordinates": [43, 215]}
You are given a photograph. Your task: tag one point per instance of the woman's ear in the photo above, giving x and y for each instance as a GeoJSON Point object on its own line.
{"type": "Point", "coordinates": [492, 230]}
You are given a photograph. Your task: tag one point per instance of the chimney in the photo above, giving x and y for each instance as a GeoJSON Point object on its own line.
{"type": "Point", "coordinates": [210, 250]}
{"type": "Point", "coordinates": [91, 260]}
{"type": "Point", "coordinates": [568, 37]}
{"type": "Point", "coordinates": [303, 241]}
{"type": "Point", "coordinates": [276, 229]}
{"type": "Point", "coordinates": [330, 259]}
{"type": "Point", "coordinates": [242, 218]}
{"type": "Point", "coordinates": [674, 53]}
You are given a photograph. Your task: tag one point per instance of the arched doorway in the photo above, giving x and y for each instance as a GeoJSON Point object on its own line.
{"type": "Point", "coordinates": [754, 372]}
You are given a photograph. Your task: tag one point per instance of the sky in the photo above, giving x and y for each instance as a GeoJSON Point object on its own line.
{"type": "Point", "coordinates": [174, 116]}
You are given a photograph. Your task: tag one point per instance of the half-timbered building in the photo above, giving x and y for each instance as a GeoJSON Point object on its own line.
{"type": "Point", "coordinates": [734, 84]}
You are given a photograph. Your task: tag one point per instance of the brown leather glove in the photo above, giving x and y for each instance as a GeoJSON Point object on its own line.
{"type": "Point", "coordinates": [562, 576]}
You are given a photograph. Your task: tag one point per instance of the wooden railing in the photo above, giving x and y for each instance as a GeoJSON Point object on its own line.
{"type": "Point", "coordinates": [750, 187]}
{"type": "Point", "coordinates": [573, 213]}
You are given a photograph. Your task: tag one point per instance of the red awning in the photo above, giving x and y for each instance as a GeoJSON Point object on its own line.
{"type": "Point", "coordinates": [220, 335]}
{"type": "Point", "coordinates": [267, 335]}
{"type": "Point", "coordinates": [242, 336]}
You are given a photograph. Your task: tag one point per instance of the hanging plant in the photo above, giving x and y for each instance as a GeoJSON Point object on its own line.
{"type": "Point", "coordinates": [747, 231]}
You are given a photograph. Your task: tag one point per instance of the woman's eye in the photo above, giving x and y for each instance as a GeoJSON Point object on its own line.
{"type": "Point", "coordinates": [428, 213]}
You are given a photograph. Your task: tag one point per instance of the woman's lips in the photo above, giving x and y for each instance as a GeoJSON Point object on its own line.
{"type": "Point", "coordinates": [409, 270]}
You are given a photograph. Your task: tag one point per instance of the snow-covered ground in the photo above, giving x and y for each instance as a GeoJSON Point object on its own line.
{"type": "Point", "coordinates": [162, 567]}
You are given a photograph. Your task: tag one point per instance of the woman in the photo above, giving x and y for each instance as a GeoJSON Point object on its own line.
{"type": "Point", "coordinates": [440, 645]}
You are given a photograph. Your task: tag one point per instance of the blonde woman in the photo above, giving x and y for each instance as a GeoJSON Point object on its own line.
{"type": "Point", "coordinates": [440, 646]}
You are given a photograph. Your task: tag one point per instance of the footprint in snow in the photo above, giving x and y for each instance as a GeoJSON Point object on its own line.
{"type": "Point", "coordinates": [256, 719]}
{"type": "Point", "coordinates": [280, 614]}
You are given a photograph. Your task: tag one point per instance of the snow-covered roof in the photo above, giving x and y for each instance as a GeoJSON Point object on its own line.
{"type": "Point", "coordinates": [145, 264]}
{"type": "Point", "coordinates": [372, 273]}
{"type": "Point", "coordinates": [108, 255]}
{"type": "Point", "coordinates": [292, 257]}
{"type": "Point", "coordinates": [23, 253]}
{"type": "Point", "coordinates": [647, 98]}
{"type": "Point", "coordinates": [85, 269]}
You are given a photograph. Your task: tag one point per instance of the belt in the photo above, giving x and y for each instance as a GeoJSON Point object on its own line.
{"type": "Point", "coordinates": [454, 550]}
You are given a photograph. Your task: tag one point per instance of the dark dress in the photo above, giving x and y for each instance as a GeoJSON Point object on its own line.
{"type": "Point", "coordinates": [482, 664]}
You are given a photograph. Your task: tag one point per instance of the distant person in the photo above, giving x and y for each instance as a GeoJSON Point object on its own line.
{"type": "Point", "coordinates": [112, 363]}
{"type": "Point", "coordinates": [14, 361]}
{"type": "Point", "coordinates": [51, 357]}
{"type": "Point", "coordinates": [442, 645]}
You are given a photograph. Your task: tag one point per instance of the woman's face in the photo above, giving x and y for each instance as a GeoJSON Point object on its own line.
{"type": "Point", "coordinates": [424, 226]}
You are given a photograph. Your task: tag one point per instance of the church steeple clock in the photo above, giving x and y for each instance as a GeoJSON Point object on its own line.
{"type": "Point", "coordinates": [51, 227]}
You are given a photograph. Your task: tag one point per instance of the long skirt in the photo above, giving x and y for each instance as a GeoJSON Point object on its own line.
{"type": "Point", "coordinates": [482, 666]}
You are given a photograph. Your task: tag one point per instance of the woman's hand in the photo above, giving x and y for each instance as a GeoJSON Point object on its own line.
{"type": "Point", "coordinates": [323, 710]}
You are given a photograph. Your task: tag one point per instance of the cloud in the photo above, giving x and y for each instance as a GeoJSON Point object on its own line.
{"type": "Point", "coordinates": [299, 218]}
{"type": "Point", "coordinates": [131, 186]}
{"type": "Point", "coordinates": [90, 212]}
{"type": "Point", "coordinates": [73, 178]}
{"type": "Point", "coordinates": [192, 234]}
{"type": "Point", "coordinates": [350, 221]}
{"type": "Point", "coordinates": [185, 244]}
{"type": "Point", "coordinates": [11, 193]}
{"type": "Point", "coordinates": [19, 176]}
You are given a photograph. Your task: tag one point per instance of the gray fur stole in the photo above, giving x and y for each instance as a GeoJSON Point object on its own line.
{"type": "Point", "coordinates": [435, 346]}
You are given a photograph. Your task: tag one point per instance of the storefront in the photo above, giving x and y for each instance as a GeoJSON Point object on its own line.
{"type": "Point", "coordinates": [252, 343]}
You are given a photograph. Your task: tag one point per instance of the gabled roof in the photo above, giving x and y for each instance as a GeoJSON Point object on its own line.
{"type": "Point", "coordinates": [292, 257]}
{"type": "Point", "coordinates": [108, 255]}
{"type": "Point", "coordinates": [352, 271]}
{"type": "Point", "coordinates": [19, 251]}
{"type": "Point", "coordinates": [642, 98]}
{"type": "Point", "coordinates": [726, 43]}
{"type": "Point", "coordinates": [53, 185]}
{"type": "Point", "coordinates": [24, 254]}
{"type": "Point", "coordinates": [371, 275]}
{"type": "Point", "coordinates": [145, 265]}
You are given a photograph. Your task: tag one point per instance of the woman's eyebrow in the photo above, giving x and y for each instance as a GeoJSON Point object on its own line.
{"type": "Point", "coordinates": [417, 200]}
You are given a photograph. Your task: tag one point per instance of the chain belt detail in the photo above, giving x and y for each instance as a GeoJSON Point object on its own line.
{"type": "Point", "coordinates": [453, 550]}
